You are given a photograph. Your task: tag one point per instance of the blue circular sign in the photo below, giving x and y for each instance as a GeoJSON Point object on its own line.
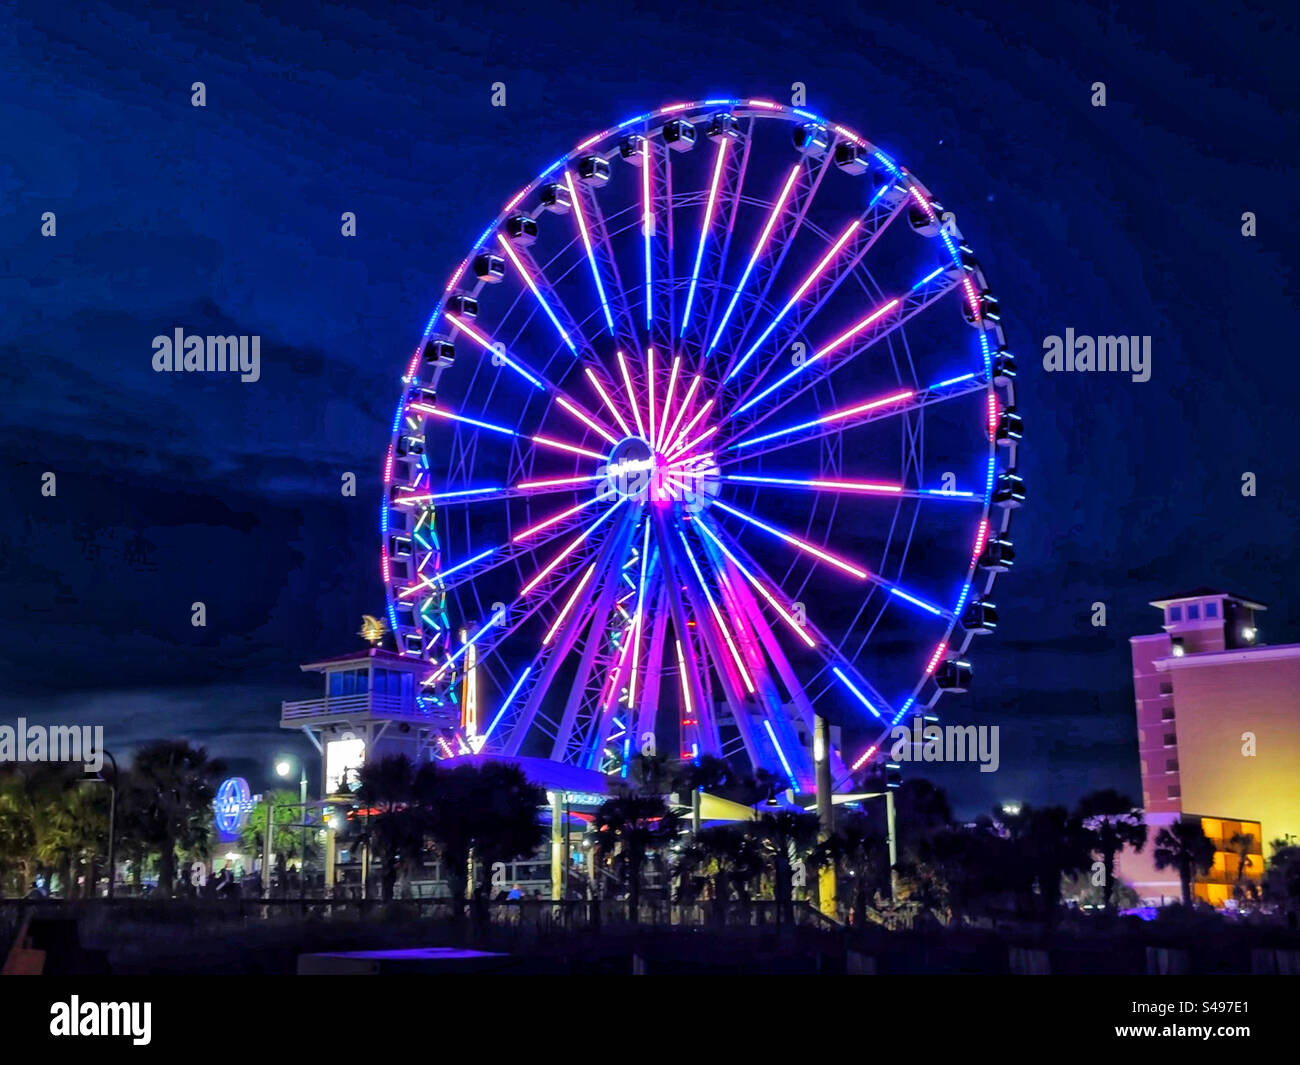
{"type": "Point", "coordinates": [231, 804]}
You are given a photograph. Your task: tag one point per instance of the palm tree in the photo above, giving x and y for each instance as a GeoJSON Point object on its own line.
{"type": "Point", "coordinates": [486, 812]}
{"type": "Point", "coordinates": [288, 840]}
{"type": "Point", "coordinates": [1281, 880]}
{"type": "Point", "coordinates": [627, 827]}
{"type": "Point", "coordinates": [503, 815]}
{"type": "Point", "coordinates": [1185, 847]}
{"type": "Point", "coordinates": [705, 773]}
{"type": "Point", "coordinates": [1243, 843]}
{"type": "Point", "coordinates": [860, 853]}
{"type": "Point", "coordinates": [394, 825]}
{"type": "Point", "coordinates": [18, 825]}
{"type": "Point", "coordinates": [168, 801]}
{"type": "Point", "coordinates": [729, 855]}
{"type": "Point", "coordinates": [1053, 844]}
{"type": "Point", "coordinates": [651, 772]}
{"type": "Point", "coordinates": [1113, 822]}
{"type": "Point", "coordinates": [784, 838]}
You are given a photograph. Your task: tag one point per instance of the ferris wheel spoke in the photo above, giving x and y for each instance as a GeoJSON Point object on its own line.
{"type": "Point", "coordinates": [535, 378]}
{"type": "Point", "coordinates": [742, 605]}
{"type": "Point", "coordinates": [602, 721]}
{"type": "Point", "coordinates": [812, 636]}
{"type": "Point", "coordinates": [821, 283]}
{"type": "Point", "coordinates": [718, 250]}
{"type": "Point", "coordinates": [539, 283]}
{"type": "Point", "coordinates": [812, 170]}
{"type": "Point", "coordinates": [760, 247]}
{"type": "Point", "coordinates": [720, 157]}
{"type": "Point", "coordinates": [586, 700]}
{"type": "Point", "coordinates": [863, 335]}
{"type": "Point", "coordinates": [892, 587]}
{"type": "Point", "coordinates": [530, 273]}
{"type": "Point", "coordinates": [696, 723]}
{"type": "Point", "coordinates": [477, 565]}
{"type": "Point", "coordinates": [538, 439]}
{"type": "Point", "coordinates": [584, 232]}
{"type": "Point", "coordinates": [723, 629]}
{"type": "Point", "coordinates": [853, 487]}
{"type": "Point", "coordinates": [862, 412]}
{"type": "Point", "coordinates": [605, 268]}
{"type": "Point", "coordinates": [808, 548]}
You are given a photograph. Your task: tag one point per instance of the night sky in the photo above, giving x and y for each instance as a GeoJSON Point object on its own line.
{"type": "Point", "coordinates": [225, 220]}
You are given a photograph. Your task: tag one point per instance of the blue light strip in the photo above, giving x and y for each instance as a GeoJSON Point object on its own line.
{"type": "Point", "coordinates": [767, 724]}
{"type": "Point", "coordinates": [916, 602]}
{"type": "Point", "coordinates": [853, 688]}
{"type": "Point", "coordinates": [509, 698]}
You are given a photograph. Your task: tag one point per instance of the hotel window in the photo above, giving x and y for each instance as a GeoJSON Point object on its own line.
{"type": "Point", "coordinates": [1175, 613]}
{"type": "Point", "coordinates": [1171, 739]}
{"type": "Point", "coordinates": [1167, 714]}
{"type": "Point", "coordinates": [1174, 791]}
{"type": "Point", "coordinates": [1166, 687]}
{"type": "Point", "coordinates": [1193, 611]}
{"type": "Point", "coordinates": [1171, 765]}
{"type": "Point", "coordinates": [1211, 610]}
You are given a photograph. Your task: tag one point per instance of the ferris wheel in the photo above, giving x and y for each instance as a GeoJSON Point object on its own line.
{"type": "Point", "coordinates": [712, 432]}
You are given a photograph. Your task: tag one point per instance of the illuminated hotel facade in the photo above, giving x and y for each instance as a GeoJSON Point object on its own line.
{"type": "Point", "coordinates": [1218, 719]}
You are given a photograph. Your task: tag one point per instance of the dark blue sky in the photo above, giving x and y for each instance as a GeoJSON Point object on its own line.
{"type": "Point", "coordinates": [225, 219]}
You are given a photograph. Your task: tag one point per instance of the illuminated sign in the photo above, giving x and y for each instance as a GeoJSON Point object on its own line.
{"type": "Point", "coordinates": [232, 805]}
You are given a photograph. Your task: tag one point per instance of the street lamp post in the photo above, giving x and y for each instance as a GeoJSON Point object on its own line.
{"type": "Point", "coordinates": [283, 768]}
{"type": "Point", "coordinates": [112, 821]}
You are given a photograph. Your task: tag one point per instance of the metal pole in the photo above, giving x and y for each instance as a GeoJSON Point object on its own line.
{"type": "Point", "coordinates": [557, 845]}
{"type": "Point", "coordinates": [112, 825]}
{"type": "Point", "coordinates": [893, 845]}
{"type": "Point", "coordinates": [302, 856]}
{"type": "Point", "coordinates": [266, 852]}
{"type": "Point", "coordinates": [827, 882]}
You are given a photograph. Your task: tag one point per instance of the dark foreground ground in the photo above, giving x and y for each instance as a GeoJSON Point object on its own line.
{"type": "Point", "coordinates": [180, 938]}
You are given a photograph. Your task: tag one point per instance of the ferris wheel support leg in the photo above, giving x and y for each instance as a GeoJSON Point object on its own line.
{"type": "Point", "coordinates": [647, 703]}
{"type": "Point", "coordinates": [601, 605]}
{"type": "Point", "coordinates": [677, 576]}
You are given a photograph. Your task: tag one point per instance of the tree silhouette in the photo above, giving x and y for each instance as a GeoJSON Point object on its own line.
{"type": "Point", "coordinates": [1185, 847]}
{"type": "Point", "coordinates": [1112, 822]}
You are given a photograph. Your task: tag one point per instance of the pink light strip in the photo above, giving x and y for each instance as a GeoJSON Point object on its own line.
{"type": "Point", "coordinates": [795, 541]}
{"type": "Point", "coordinates": [564, 610]}
{"type": "Point", "coordinates": [650, 374]}
{"type": "Point", "coordinates": [777, 208]}
{"type": "Point", "coordinates": [567, 550]}
{"type": "Point", "coordinates": [671, 435]}
{"type": "Point", "coordinates": [848, 412]}
{"type": "Point", "coordinates": [694, 421]}
{"type": "Point", "coordinates": [837, 486]}
{"type": "Point", "coordinates": [560, 445]}
{"type": "Point", "coordinates": [581, 216]}
{"type": "Point", "coordinates": [600, 391]}
{"type": "Point", "coordinates": [586, 419]}
{"type": "Point", "coordinates": [704, 229]}
{"type": "Point", "coordinates": [559, 482]}
{"type": "Point", "coordinates": [631, 395]}
{"type": "Point", "coordinates": [848, 334]}
{"type": "Point", "coordinates": [668, 400]}
{"type": "Point", "coordinates": [532, 530]}
{"type": "Point", "coordinates": [685, 448]}
{"type": "Point", "coordinates": [758, 587]}
{"type": "Point", "coordinates": [798, 295]}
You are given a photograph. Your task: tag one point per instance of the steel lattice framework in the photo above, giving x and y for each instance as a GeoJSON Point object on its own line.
{"type": "Point", "coordinates": [712, 431]}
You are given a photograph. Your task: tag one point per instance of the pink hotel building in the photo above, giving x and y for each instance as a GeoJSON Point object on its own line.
{"type": "Point", "coordinates": [1218, 718]}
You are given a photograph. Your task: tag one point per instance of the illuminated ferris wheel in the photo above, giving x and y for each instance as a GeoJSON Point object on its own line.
{"type": "Point", "coordinates": [712, 432]}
